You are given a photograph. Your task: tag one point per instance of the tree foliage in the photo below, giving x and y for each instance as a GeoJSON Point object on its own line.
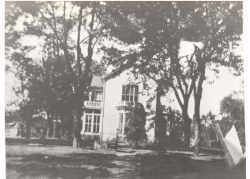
{"type": "Point", "coordinates": [135, 129]}
{"type": "Point", "coordinates": [69, 33]}
{"type": "Point", "coordinates": [218, 25]}
{"type": "Point", "coordinates": [233, 112]}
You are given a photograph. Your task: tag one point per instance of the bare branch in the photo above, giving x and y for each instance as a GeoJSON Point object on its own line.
{"type": "Point", "coordinates": [177, 96]}
{"type": "Point", "coordinates": [78, 48]}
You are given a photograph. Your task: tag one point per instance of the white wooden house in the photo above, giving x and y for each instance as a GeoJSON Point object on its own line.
{"type": "Point", "coordinates": [105, 112]}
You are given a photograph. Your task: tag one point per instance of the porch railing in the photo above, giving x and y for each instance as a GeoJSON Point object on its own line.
{"type": "Point", "coordinates": [125, 104]}
{"type": "Point", "coordinates": [92, 104]}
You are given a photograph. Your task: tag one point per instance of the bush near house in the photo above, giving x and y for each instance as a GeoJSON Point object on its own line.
{"type": "Point", "coordinates": [89, 140]}
{"type": "Point", "coordinates": [175, 130]}
{"type": "Point", "coordinates": [135, 129]}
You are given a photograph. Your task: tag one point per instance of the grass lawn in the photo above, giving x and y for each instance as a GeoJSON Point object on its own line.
{"type": "Point", "coordinates": [42, 162]}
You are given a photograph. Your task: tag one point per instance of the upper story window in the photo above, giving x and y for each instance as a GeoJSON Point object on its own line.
{"type": "Point", "coordinates": [130, 93]}
{"type": "Point", "coordinates": [95, 96]}
{"type": "Point", "coordinates": [98, 96]}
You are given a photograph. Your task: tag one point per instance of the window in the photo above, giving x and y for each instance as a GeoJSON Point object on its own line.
{"type": "Point", "coordinates": [123, 120]}
{"type": "Point", "coordinates": [88, 122]}
{"type": "Point", "coordinates": [92, 123]}
{"type": "Point", "coordinates": [130, 93]}
{"type": "Point", "coordinates": [96, 124]}
{"type": "Point", "coordinates": [96, 96]}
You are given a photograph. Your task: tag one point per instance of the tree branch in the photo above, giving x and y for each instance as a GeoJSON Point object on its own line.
{"type": "Point", "coordinates": [64, 46]}
{"type": "Point", "coordinates": [177, 96]}
{"type": "Point", "coordinates": [78, 48]}
{"type": "Point", "coordinates": [179, 83]}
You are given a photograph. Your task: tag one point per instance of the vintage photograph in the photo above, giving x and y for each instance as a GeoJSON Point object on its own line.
{"type": "Point", "coordinates": [124, 89]}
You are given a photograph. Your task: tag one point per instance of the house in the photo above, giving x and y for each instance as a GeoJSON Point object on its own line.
{"type": "Point", "coordinates": [106, 113]}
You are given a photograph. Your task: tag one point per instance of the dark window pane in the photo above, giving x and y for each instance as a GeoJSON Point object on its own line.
{"type": "Point", "coordinates": [123, 98]}
{"type": "Point", "coordinates": [136, 90]}
{"type": "Point", "coordinates": [89, 110]}
{"type": "Point", "coordinates": [123, 89]}
{"type": "Point", "coordinates": [120, 129]}
{"type": "Point", "coordinates": [136, 99]}
{"type": "Point", "coordinates": [132, 89]}
{"type": "Point", "coordinates": [121, 118]}
{"type": "Point", "coordinates": [96, 111]}
{"type": "Point", "coordinates": [93, 96]}
{"type": "Point", "coordinates": [127, 89]}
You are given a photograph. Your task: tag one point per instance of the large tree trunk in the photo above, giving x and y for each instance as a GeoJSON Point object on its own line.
{"type": "Point", "coordinates": [77, 125]}
{"type": "Point", "coordinates": [28, 126]}
{"type": "Point", "coordinates": [197, 101]}
{"type": "Point", "coordinates": [82, 77]}
{"type": "Point", "coordinates": [197, 122]}
{"type": "Point", "coordinates": [28, 117]}
{"type": "Point", "coordinates": [55, 127]}
{"type": "Point", "coordinates": [197, 138]}
{"type": "Point", "coordinates": [49, 126]}
{"type": "Point", "coordinates": [197, 135]}
{"type": "Point", "coordinates": [187, 128]}
{"type": "Point", "coordinates": [160, 122]}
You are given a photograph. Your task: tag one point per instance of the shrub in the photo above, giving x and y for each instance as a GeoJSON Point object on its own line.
{"type": "Point", "coordinates": [135, 128]}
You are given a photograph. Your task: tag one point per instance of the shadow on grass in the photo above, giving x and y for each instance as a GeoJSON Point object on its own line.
{"type": "Point", "coordinates": [97, 165]}
{"type": "Point", "coordinates": [77, 165]}
{"type": "Point", "coordinates": [182, 166]}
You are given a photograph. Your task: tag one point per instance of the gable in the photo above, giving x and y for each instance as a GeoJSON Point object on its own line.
{"type": "Point", "coordinates": [96, 82]}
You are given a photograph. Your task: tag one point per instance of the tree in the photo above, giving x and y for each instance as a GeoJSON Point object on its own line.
{"type": "Point", "coordinates": [232, 109]}
{"type": "Point", "coordinates": [28, 89]}
{"type": "Point", "coordinates": [218, 25]}
{"type": "Point", "coordinates": [135, 128]}
{"type": "Point", "coordinates": [62, 26]}
{"type": "Point", "coordinates": [48, 84]}
{"type": "Point", "coordinates": [208, 132]}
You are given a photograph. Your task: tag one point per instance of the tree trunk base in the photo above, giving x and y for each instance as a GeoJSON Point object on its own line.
{"type": "Point", "coordinates": [76, 143]}
{"type": "Point", "coordinates": [196, 152]}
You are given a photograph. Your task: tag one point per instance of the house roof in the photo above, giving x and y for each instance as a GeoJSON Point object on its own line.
{"type": "Point", "coordinates": [116, 72]}
{"type": "Point", "coordinates": [129, 61]}
{"type": "Point", "coordinates": [96, 82]}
